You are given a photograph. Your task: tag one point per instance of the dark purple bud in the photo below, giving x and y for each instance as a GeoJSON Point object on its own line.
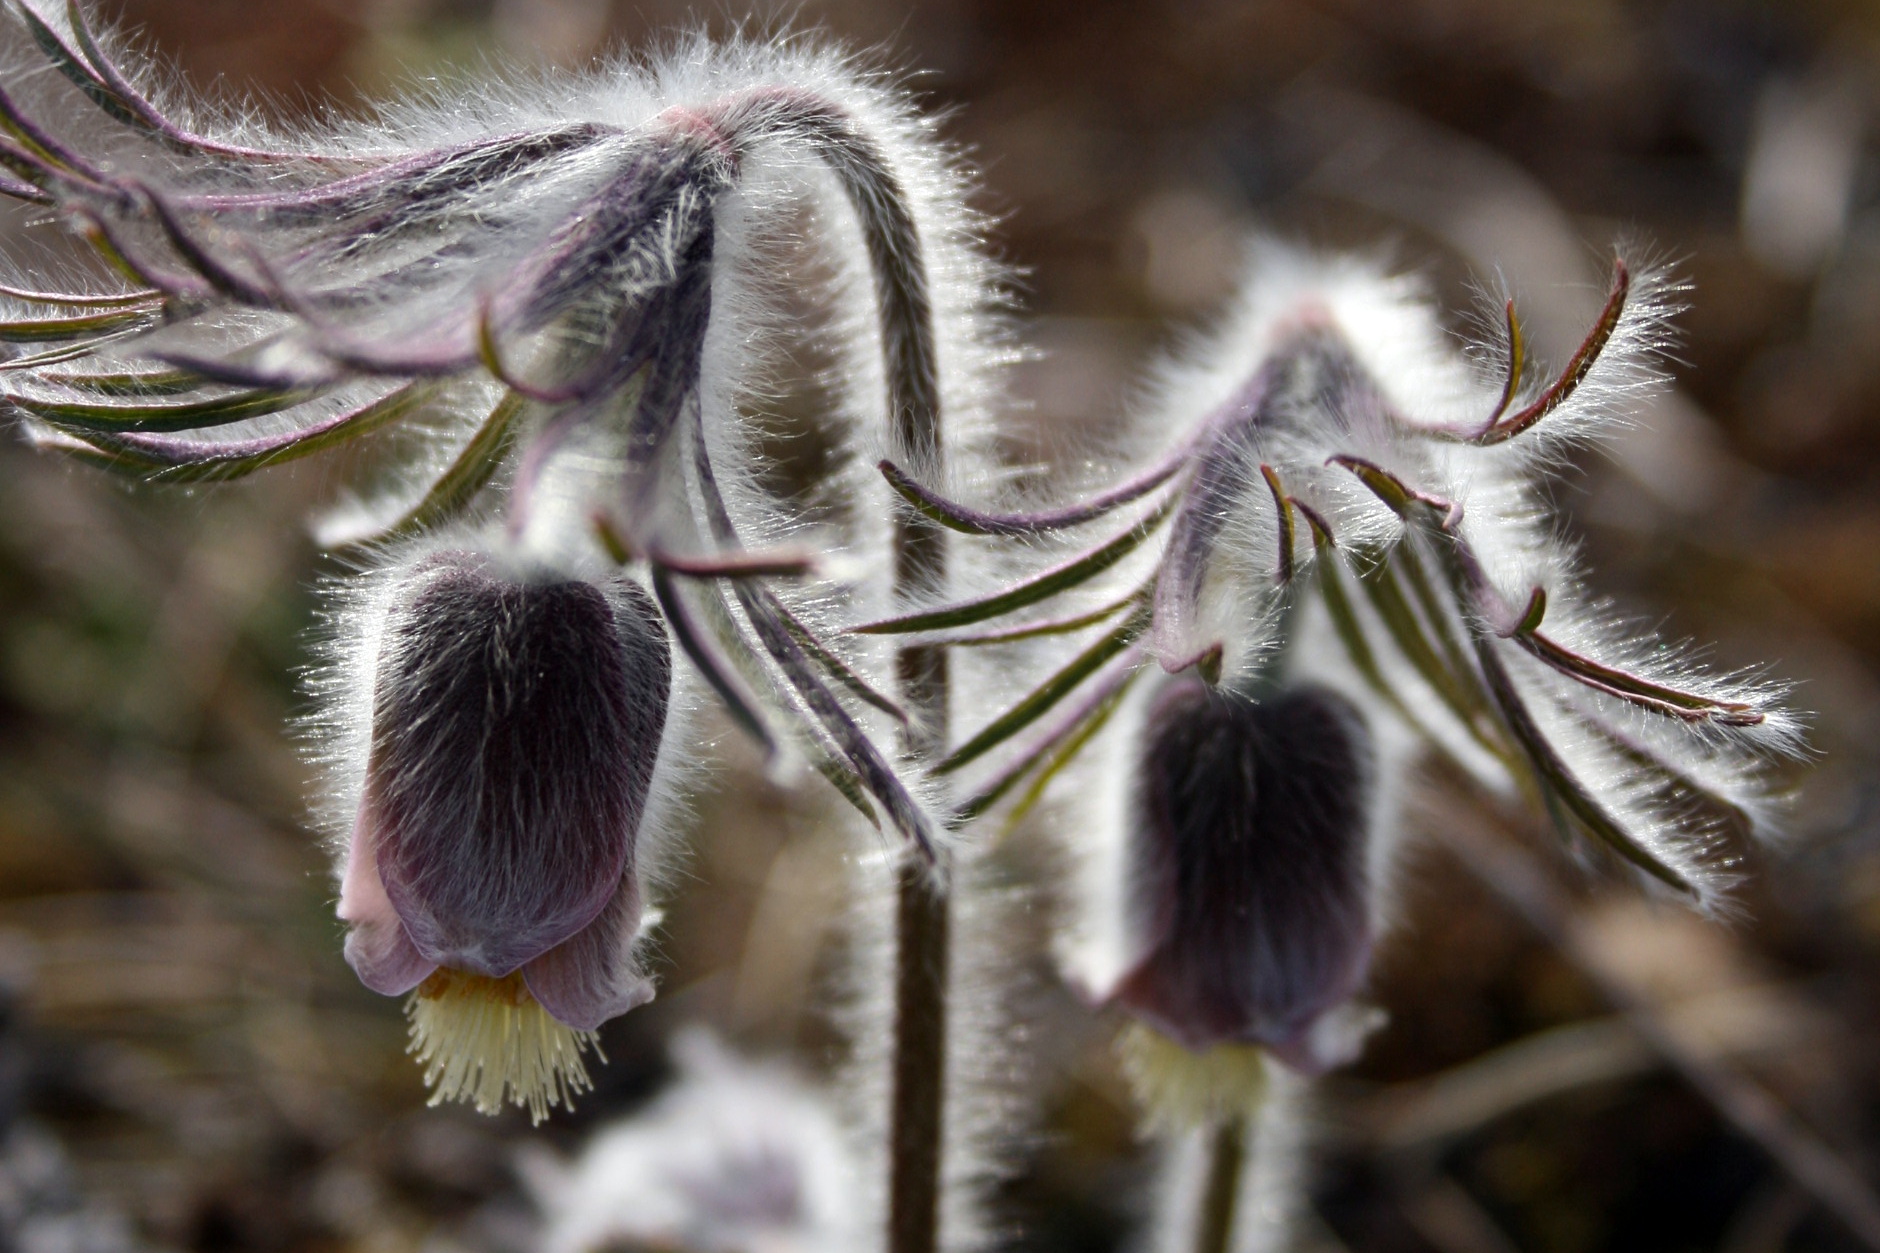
{"type": "Point", "coordinates": [515, 726]}
{"type": "Point", "coordinates": [1249, 874]}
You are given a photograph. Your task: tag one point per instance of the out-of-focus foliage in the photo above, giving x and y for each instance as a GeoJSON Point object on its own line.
{"type": "Point", "coordinates": [181, 1021]}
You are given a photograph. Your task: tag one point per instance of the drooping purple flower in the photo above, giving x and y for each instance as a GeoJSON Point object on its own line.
{"type": "Point", "coordinates": [1250, 846]}
{"type": "Point", "coordinates": [515, 725]}
{"type": "Point", "coordinates": [1333, 475]}
{"type": "Point", "coordinates": [541, 301]}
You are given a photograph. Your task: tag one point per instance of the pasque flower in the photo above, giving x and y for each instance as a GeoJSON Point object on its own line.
{"type": "Point", "coordinates": [544, 304]}
{"type": "Point", "coordinates": [547, 307]}
{"type": "Point", "coordinates": [518, 282]}
{"type": "Point", "coordinates": [1249, 869]}
{"type": "Point", "coordinates": [1330, 490]}
{"type": "Point", "coordinates": [515, 725]}
{"type": "Point", "coordinates": [1338, 553]}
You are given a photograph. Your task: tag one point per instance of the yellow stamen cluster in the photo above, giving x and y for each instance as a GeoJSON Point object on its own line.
{"type": "Point", "coordinates": [1179, 1088]}
{"type": "Point", "coordinates": [484, 1040]}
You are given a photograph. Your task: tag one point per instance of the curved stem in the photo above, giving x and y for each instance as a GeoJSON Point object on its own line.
{"type": "Point", "coordinates": [923, 921]}
{"type": "Point", "coordinates": [904, 312]}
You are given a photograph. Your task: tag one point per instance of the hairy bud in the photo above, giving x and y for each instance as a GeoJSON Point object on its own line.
{"type": "Point", "coordinates": [515, 725]}
{"type": "Point", "coordinates": [1249, 849]}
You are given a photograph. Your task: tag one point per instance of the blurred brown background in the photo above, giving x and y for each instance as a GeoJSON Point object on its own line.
{"type": "Point", "coordinates": [187, 1063]}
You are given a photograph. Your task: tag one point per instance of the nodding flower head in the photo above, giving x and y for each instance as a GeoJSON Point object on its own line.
{"type": "Point", "coordinates": [1249, 867]}
{"type": "Point", "coordinates": [515, 725]}
{"type": "Point", "coordinates": [546, 304]}
{"type": "Point", "coordinates": [1336, 486]}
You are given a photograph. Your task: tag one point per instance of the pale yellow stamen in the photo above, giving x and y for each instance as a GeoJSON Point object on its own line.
{"type": "Point", "coordinates": [484, 1040]}
{"type": "Point", "coordinates": [1179, 1088]}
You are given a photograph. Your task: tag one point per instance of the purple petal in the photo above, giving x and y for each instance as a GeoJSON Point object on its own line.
{"type": "Point", "coordinates": [1250, 885]}
{"type": "Point", "coordinates": [515, 727]}
{"type": "Point", "coordinates": [377, 948]}
{"type": "Point", "coordinates": [592, 977]}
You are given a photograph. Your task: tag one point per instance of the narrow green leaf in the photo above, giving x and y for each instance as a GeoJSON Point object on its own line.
{"type": "Point", "coordinates": [467, 475]}
{"type": "Point", "coordinates": [838, 669]}
{"type": "Point", "coordinates": [1536, 611]}
{"type": "Point", "coordinates": [1440, 616]}
{"type": "Point", "coordinates": [1047, 694]}
{"type": "Point", "coordinates": [843, 778]}
{"type": "Point", "coordinates": [55, 356]}
{"type": "Point", "coordinates": [1584, 357]}
{"type": "Point", "coordinates": [1517, 363]}
{"type": "Point", "coordinates": [611, 540]}
{"type": "Point", "coordinates": [1038, 753]}
{"type": "Point", "coordinates": [1559, 778]}
{"type": "Point", "coordinates": [1030, 592]}
{"type": "Point", "coordinates": [739, 565]}
{"type": "Point", "coordinates": [129, 383]}
{"type": "Point", "coordinates": [1679, 780]}
{"type": "Point", "coordinates": [1395, 493]}
{"type": "Point", "coordinates": [958, 517]}
{"type": "Point", "coordinates": [1283, 504]}
{"type": "Point", "coordinates": [1669, 702]}
{"type": "Point", "coordinates": [1068, 750]}
{"type": "Point", "coordinates": [84, 326]}
{"type": "Point", "coordinates": [1351, 634]}
{"type": "Point", "coordinates": [742, 708]}
{"type": "Point", "coordinates": [767, 618]}
{"type": "Point", "coordinates": [1387, 597]}
{"type": "Point", "coordinates": [213, 465]}
{"type": "Point", "coordinates": [195, 415]}
{"type": "Point", "coordinates": [1055, 626]}
{"type": "Point", "coordinates": [83, 300]}
{"type": "Point", "coordinates": [765, 614]}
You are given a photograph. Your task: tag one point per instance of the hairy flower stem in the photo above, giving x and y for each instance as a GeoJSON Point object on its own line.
{"type": "Point", "coordinates": [917, 1096]}
{"type": "Point", "coordinates": [922, 937]}
{"type": "Point", "coordinates": [1214, 1225]}
{"type": "Point", "coordinates": [922, 932]}
{"type": "Point", "coordinates": [904, 315]}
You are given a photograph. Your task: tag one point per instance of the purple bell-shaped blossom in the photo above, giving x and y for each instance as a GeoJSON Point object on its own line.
{"type": "Point", "coordinates": [515, 724]}
{"type": "Point", "coordinates": [1327, 472]}
{"type": "Point", "coordinates": [546, 307]}
{"type": "Point", "coordinates": [1249, 890]}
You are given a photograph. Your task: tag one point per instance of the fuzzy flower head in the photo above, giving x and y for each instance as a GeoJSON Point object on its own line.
{"type": "Point", "coordinates": [1332, 493]}
{"type": "Point", "coordinates": [514, 729]}
{"type": "Point", "coordinates": [1250, 832]}
{"type": "Point", "coordinates": [543, 305]}
{"type": "Point", "coordinates": [549, 295]}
